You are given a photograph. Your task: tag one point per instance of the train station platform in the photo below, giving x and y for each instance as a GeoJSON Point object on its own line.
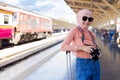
{"type": "Point", "coordinates": [55, 68]}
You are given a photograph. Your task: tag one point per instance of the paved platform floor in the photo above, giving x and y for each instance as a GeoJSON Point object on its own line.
{"type": "Point", "coordinates": [54, 69]}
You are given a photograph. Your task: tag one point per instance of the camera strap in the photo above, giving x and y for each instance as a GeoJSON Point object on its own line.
{"type": "Point", "coordinates": [93, 38]}
{"type": "Point", "coordinates": [83, 37]}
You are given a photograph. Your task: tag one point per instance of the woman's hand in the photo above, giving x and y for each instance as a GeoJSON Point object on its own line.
{"type": "Point", "coordinates": [87, 49]}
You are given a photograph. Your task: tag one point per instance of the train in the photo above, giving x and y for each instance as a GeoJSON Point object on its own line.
{"type": "Point", "coordinates": [18, 25]}
{"type": "Point", "coordinates": [29, 26]}
{"type": "Point", "coordinates": [6, 27]}
{"type": "Point", "coordinates": [22, 26]}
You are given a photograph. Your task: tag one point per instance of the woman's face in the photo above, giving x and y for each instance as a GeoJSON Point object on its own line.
{"type": "Point", "coordinates": [86, 20]}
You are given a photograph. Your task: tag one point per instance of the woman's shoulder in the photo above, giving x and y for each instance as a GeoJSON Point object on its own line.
{"type": "Point", "coordinates": [75, 31]}
{"type": "Point", "coordinates": [74, 28]}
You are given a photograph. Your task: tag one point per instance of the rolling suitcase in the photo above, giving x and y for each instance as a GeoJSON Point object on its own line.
{"type": "Point", "coordinates": [68, 60]}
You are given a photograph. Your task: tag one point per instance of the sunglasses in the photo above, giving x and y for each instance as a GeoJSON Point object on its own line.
{"type": "Point", "coordinates": [90, 19]}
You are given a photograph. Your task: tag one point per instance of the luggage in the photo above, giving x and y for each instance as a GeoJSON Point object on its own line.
{"type": "Point", "coordinates": [68, 59]}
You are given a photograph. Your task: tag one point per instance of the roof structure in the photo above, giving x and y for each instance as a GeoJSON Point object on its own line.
{"type": "Point", "coordinates": [103, 10]}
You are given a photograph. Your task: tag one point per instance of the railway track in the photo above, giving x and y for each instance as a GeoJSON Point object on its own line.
{"type": "Point", "coordinates": [9, 45]}
{"type": "Point", "coordinates": [17, 53]}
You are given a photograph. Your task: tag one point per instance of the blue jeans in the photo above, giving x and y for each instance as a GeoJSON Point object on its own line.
{"type": "Point", "coordinates": [87, 69]}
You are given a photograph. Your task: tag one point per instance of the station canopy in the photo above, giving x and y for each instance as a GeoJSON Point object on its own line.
{"type": "Point", "coordinates": [103, 10]}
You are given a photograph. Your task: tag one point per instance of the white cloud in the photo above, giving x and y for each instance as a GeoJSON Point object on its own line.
{"type": "Point", "coordinates": [12, 2]}
{"type": "Point", "coordinates": [43, 3]}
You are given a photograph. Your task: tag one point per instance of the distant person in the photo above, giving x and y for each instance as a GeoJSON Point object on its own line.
{"type": "Point", "coordinates": [118, 39]}
{"type": "Point", "coordinates": [83, 43]}
{"type": "Point", "coordinates": [114, 37]}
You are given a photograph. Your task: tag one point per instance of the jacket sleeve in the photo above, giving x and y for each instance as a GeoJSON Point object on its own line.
{"type": "Point", "coordinates": [66, 45]}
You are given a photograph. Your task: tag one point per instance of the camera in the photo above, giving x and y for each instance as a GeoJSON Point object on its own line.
{"type": "Point", "coordinates": [95, 54]}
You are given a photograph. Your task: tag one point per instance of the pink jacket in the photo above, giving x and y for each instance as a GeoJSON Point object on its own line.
{"type": "Point", "coordinates": [74, 40]}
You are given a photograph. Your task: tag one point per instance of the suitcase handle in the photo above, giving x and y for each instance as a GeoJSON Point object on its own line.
{"type": "Point", "coordinates": [67, 52]}
{"type": "Point", "coordinates": [68, 59]}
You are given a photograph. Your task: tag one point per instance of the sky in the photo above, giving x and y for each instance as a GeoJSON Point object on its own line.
{"type": "Point", "coordinates": [53, 8]}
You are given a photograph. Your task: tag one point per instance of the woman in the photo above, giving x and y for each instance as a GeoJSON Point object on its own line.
{"type": "Point", "coordinates": [86, 67]}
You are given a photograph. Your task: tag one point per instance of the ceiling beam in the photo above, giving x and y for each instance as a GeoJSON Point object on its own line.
{"type": "Point", "coordinates": [88, 2]}
{"type": "Point", "coordinates": [111, 7]}
{"type": "Point", "coordinates": [77, 8]}
{"type": "Point", "coordinates": [103, 10]}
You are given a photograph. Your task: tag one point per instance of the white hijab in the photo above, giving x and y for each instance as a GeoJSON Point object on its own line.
{"type": "Point", "coordinates": [80, 15]}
